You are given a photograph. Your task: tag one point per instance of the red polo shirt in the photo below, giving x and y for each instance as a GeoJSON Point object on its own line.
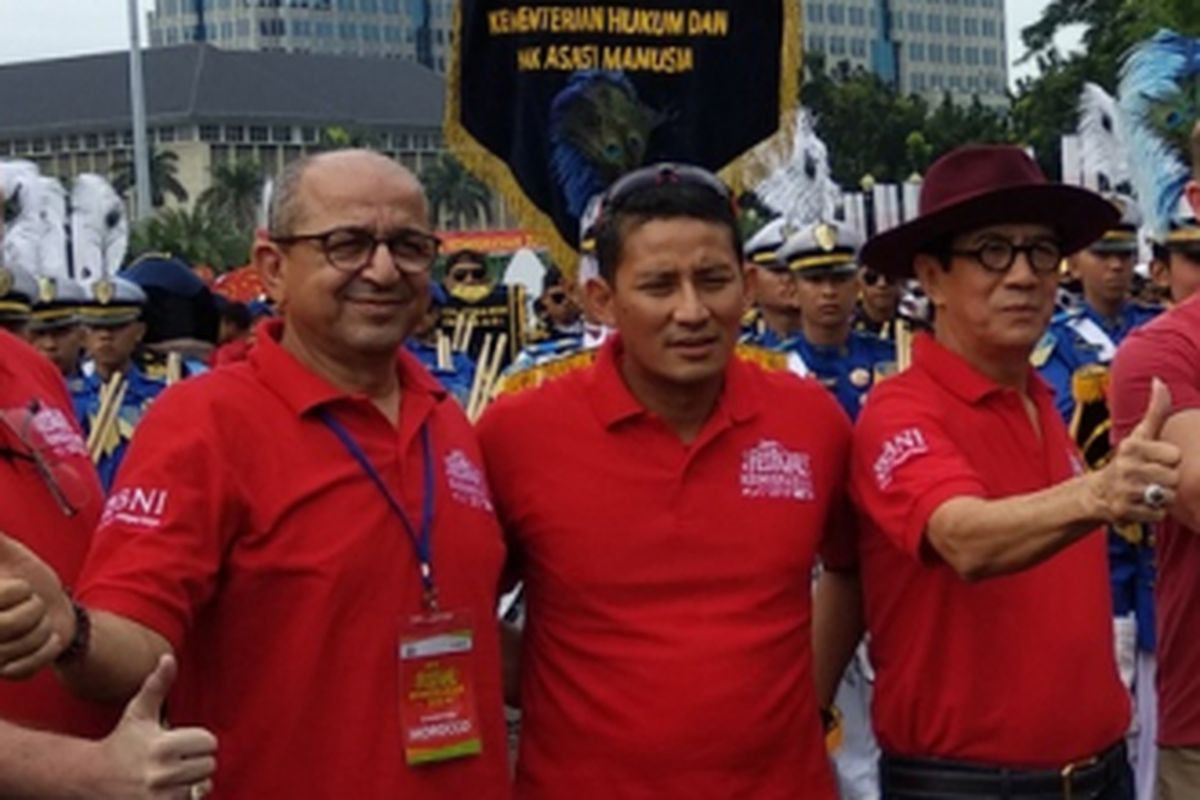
{"type": "Point", "coordinates": [242, 531]}
{"type": "Point", "coordinates": [1169, 348]}
{"type": "Point", "coordinates": [668, 645]}
{"type": "Point", "coordinates": [35, 401]}
{"type": "Point", "coordinates": [1016, 670]}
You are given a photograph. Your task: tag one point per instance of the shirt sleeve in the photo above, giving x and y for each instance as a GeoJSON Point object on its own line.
{"type": "Point", "coordinates": [168, 522]}
{"type": "Point", "coordinates": [904, 465]}
{"type": "Point", "coordinates": [1150, 353]}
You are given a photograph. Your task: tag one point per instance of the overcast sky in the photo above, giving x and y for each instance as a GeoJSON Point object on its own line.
{"type": "Point", "coordinates": [35, 29]}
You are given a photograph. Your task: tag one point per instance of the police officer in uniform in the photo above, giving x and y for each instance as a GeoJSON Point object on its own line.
{"type": "Point", "coordinates": [54, 326]}
{"type": "Point", "coordinates": [776, 314]}
{"type": "Point", "coordinates": [113, 321]}
{"type": "Point", "coordinates": [453, 369]}
{"type": "Point", "coordinates": [1090, 333]}
{"type": "Point", "coordinates": [17, 290]}
{"type": "Point", "coordinates": [823, 258]}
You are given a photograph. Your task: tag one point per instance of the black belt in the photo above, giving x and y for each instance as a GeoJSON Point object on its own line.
{"type": "Point", "coordinates": [931, 778]}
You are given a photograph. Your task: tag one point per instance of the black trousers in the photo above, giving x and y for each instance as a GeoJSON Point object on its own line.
{"type": "Point", "coordinates": [932, 779]}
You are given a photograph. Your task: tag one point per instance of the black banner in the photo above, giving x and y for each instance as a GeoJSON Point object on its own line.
{"type": "Point", "coordinates": [550, 101]}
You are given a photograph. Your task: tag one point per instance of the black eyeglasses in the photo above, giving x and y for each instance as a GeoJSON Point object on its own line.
{"type": "Point", "coordinates": [468, 273]}
{"type": "Point", "coordinates": [662, 175]}
{"type": "Point", "coordinates": [61, 479]}
{"type": "Point", "coordinates": [558, 298]}
{"type": "Point", "coordinates": [872, 278]}
{"type": "Point", "coordinates": [349, 249]}
{"type": "Point", "coordinates": [998, 255]}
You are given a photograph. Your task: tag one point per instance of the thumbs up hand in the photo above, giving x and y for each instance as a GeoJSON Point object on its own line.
{"type": "Point", "coordinates": [36, 620]}
{"type": "Point", "coordinates": [1138, 484]}
{"type": "Point", "coordinates": [146, 761]}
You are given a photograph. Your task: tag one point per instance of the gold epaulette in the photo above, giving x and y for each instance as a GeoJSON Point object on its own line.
{"type": "Point", "coordinates": [1089, 384]}
{"type": "Point", "coordinates": [1131, 532]}
{"type": "Point", "coordinates": [543, 373]}
{"type": "Point", "coordinates": [767, 359]}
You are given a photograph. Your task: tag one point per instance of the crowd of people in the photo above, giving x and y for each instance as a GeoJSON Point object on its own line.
{"type": "Point", "coordinates": [770, 536]}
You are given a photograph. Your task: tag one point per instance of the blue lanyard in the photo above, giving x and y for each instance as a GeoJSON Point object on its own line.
{"type": "Point", "coordinates": [422, 542]}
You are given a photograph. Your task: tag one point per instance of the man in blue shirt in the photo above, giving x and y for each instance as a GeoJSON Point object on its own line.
{"type": "Point", "coordinates": [114, 330]}
{"type": "Point", "coordinates": [823, 258]}
{"type": "Point", "coordinates": [1090, 333]}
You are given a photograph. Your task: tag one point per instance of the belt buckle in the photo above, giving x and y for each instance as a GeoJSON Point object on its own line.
{"type": "Point", "coordinates": [1067, 774]}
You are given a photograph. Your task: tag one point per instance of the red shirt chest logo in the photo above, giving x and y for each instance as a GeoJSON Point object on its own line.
{"type": "Point", "coordinates": [466, 481]}
{"type": "Point", "coordinates": [771, 471]}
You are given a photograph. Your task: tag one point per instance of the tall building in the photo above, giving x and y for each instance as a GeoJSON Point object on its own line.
{"type": "Point", "coordinates": [925, 47]}
{"type": "Point", "coordinates": [417, 30]}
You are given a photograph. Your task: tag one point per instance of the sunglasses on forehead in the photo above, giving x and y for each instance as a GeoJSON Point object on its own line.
{"type": "Point", "coordinates": [663, 175]}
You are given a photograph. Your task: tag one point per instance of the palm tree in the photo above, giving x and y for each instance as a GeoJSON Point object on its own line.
{"type": "Point", "coordinates": [164, 166]}
{"type": "Point", "coordinates": [196, 236]}
{"type": "Point", "coordinates": [235, 192]}
{"type": "Point", "coordinates": [454, 194]}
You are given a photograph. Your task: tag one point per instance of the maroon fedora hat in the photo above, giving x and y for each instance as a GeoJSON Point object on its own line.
{"type": "Point", "coordinates": [980, 185]}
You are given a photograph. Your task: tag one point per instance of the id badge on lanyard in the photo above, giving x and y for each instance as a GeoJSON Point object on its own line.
{"type": "Point", "coordinates": [437, 697]}
{"type": "Point", "coordinates": [436, 649]}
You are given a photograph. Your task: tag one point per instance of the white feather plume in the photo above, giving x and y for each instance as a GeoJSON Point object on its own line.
{"type": "Point", "coordinates": [99, 229]}
{"type": "Point", "coordinates": [51, 208]}
{"type": "Point", "coordinates": [799, 185]}
{"type": "Point", "coordinates": [19, 185]}
{"type": "Point", "coordinates": [1103, 150]}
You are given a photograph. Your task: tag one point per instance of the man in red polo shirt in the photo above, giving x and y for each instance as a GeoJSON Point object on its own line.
{"type": "Point", "coordinates": [983, 563]}
{"type": "Point", "coordinates": [1169, 350]}
{"type": "Point", "coordinates": [53, 500]}
{"type": "Point", "coordinates": [666, 528]}
{"type": "Point", "coordinates": [311, 531]}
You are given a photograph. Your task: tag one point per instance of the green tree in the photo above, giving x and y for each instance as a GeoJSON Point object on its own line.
{"type": "Point", "coordinates": [338, 137]}
{"type": "Point", "coordinates": [455, 195]}
{"type": "Point", "coordinates": [235, 193]}
{"type": "Point", "coordinates": [197, 236]}
{"type": "Point", "coordinates": [164, 169]}
{"type": "Point", "coordinates": [1045, 106]}
{"type": "Point", "coordinates": [872, 129]}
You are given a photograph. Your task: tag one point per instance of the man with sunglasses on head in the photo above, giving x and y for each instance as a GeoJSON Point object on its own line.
{"type": "Point", "coordinates": [310, 530]}
{"type": "Point", "coordinates": [669, 643]}
{"type": "Point", "coordinates": [981, 546]}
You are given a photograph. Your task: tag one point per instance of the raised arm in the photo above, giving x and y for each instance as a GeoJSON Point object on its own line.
{"type": "Point", "coordinates": [982, 538]}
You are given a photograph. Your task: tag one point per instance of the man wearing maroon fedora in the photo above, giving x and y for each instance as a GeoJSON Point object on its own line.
{"type": "Point", "coordinates": [982, 549]}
